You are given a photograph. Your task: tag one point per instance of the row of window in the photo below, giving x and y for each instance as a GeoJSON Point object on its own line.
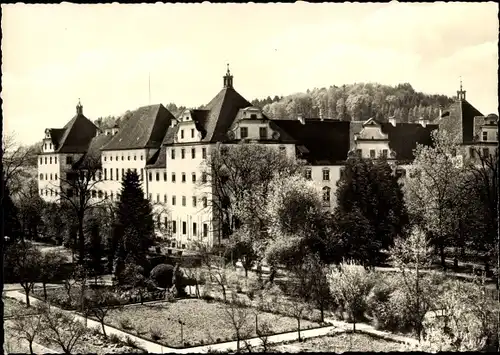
{"type": "Point", "coordinates": [183, 200]}
{"type": "Point", "coordinates": [473, 151]}
{"type": "Point", "coordinates": [183, 177]}
{"type": "Point", "coordinates": [262, 132]}
{"type": "Point", "coordinates": [326, 174]}
{"type": "Point", "coordinates": [485, 135]}
{"type": "Point", "coordinates": [192, 133]}
{"type": "Point", "coordinates": [123, 157]}
{"type": "Point", "coordinates": [47, 176]}
{"type": "Point", "coordinates": [117, 173]}
{"type": "Point", "coordinates": [48, 160]}
{"type": "Point", "coordinates": [45, 146]}
{"type": "Point", "coordinates": [173, 226]}
{"type": "Point", "coordinates": [193, 153]}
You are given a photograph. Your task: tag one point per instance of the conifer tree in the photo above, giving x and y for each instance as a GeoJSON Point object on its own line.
{"type": "Point", "coordinates": [135, 226]}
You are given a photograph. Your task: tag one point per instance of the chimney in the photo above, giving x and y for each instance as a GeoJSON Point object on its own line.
{"type": "Point", "coordinates": [392, 120]}
{"type": "Point", "coordinates": [301, 119]}
{"type": "Point", "coordinates": [79, 108]}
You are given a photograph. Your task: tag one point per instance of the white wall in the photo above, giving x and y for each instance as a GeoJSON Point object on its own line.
{"type": "Point", "coordinates": [317, 177]}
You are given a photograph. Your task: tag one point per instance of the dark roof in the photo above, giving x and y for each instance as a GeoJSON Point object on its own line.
{"type": "Point", "coordinates": [145, 129]}
{"type": "Point", "coordinates": [403, 137]}
{"type": "Point", "coordinates": [76, 135]}
{"type": "Point", "coordinates": [222, 110]}
{"type": "Point", "coordinates": [458, 121]}
{"type": "Point", "coordinates": [158, 160]}
{"type": "Point", "coordinates": [170, 135]}
{"type": "Point", "coordinates": [93, 154]}
{"type": "Point", "coordinates": [56, 135]}
{"type": "Point", "coordinates": [326, 142]}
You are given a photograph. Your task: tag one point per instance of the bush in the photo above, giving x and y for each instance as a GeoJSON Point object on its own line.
{"type": "Point", "coordinates": [114, 338]}
{"type": "Point", "coordinates": [155, 333]}
{"type": "Point", "coordinates": [126, 324]}
{"type": "Point", "coordinates": [162, 275]}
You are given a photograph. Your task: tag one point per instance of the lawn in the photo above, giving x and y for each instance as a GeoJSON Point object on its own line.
{"type": "Point", "coordinates": [204, 322]}
{"type": "Point", "coordinates": [344, 342]}
{"type": "Point", "coordinates": [13, 306]}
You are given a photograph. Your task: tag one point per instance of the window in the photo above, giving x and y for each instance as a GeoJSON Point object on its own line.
{"type": "Point", "coordinates": [110, 174]}
{"type": "Point", "coordinates": [46, 177]}
{"type": "Point", "coordinates": [105, 174]}
{"type": "Point", "coordinates": [45, 146]}
{"type": "Point", "coordinates": [157, 176]}
{"type": "Point", "coordinates": [165, 198]}
{"type": "Point", "coordinates": [99, 194]}
{"type": "Point", "coordinates": [384, 153]}
{"type": "Point", "coordinates": [192, 132]}
{"type": "Point", "coordinates": [105, 158]}
{"type": "Point", "coordinates": [182, 134]}
{"type": "Point", "coordinates": [55, 159]}
{"type": "Point", "coordinates": [41, 192]}
{"type": "Point", "coordinates": [372, 153]}
{"type": "Point", "coordinates": [135, 157]}
{"type": "Point", "coordinates": [193, 153]}
{"type": "Point", "coordinates": [204, 153]}
{"type": "Point", "coordinates": [326, 175]}
{"type": "Point", "coordinates": [193, 177]}
{"type": "Point", "coordinates": [194, 201]}
{"type": "Point", "coordinates": [183, 177]}
{"type": "Point", "coordinates": [105, 194]}
{"type": "Point", "coordinates": [485, 136]}
{"type": "Point", "coordinates": [183, 153]}
{"type": "Point", "coordinates": [205, 202]}
{"type": "Point", "coordinates": [173, 153]}
{"type": "Point", "coordinates": [45, 160]}
{"type": "Point", "coordinates": [174, 227]}
{"type": "Point", "coordinates": [173, 177]}
{"type": "Point", "coordinates": [51, 192]}
{"type": "Point", "coordinates": [308, 174]}
{"type": "Point", "coordinates": [93, 193]}
{"type": "Point", "coordinates": [157, 198]}
{"type": "Point", "coordinates": [110, 158]}
{"type": "Point", "coordinates": [165, 221]}
{"type": "Point", "coordinates": [142, 174]}
{"type": "Point", "coordinates": [282, 149]}
{"type": "Point", "coordinates": [50, 176]}
{"type": "Point", "coordinates": [205, 230]}
{"type": "Point", "coordinates": [486, 152]}
{"type": "Point", "coordinates": [123, 158]}
{"type": "Point", "coordinates": [128, 157]}
{"type": "Point", "coordinates": [41, 176]}
{"type": "Point", "coordinates": [50, 145]}
{"type": "Point", "coordinates": [244, 132]}
{"type": "Point", "coordinates": [56, 193]}
{"type": "Point", "coordinates": [184, 227]}
{"type": "Point", "coordinates": [194, 228]}
{"type": "Point", "coordinates": [117, 158]}
{"type": "Point", "coordinates": [164, 176]}
{"type": "Point", "coordinates": [117, 175]}
{"type": "Point", "coordinates": [41, 161]}
{"type": "Point", "coordinates": [55, 177]}
{"type": "Point", "coordinates": [46, 192]}
{"type": "Point", "coordinates": [263, 132]}
{"type": "Point", "coordinates": [99, 176]}
{"type": "Point", "coordinates": [326, 194]}
{"type": "Point", "coordinates": [135, 170]}
{"type": "Point", "coordinates": [184, 200]}
{"type": "Point", "coordinates": [203, 177]}
{"type": "Point", "coordinates": [50, 159]}
{"type": "Point", "coordinates": [150, 176]}
{"type": "Point", "coordinates": [173, 201]}
{"type": "Point", "coordinates": [472, 152]}
{"type": "Point", "coordinates": [123, 173]}
{"type": "Point", "coordinates": [112, 195]}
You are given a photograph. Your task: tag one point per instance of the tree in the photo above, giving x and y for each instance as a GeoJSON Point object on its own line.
{"type": "Point", "coordinates": [61, 329]}
{"type": "Point", "coordinates": [99, 304]}
{"type": "Point", "coordinates": [430, 189]}
{"type": "Point", "coordinates": [10, 217]}
{"type": "Point", "coordinates": [16, 160]}
{"type": "Point", "coordinates": [134, 276]}
{"type": "Point", "coordinates": [370, 191]}
{"type": "Point", "coordinates": [411, 256]}
{"type": "Point", "coordinates": [77, 192]}
{"type": "Point", "coordinates": [95, 250]}
{"type": "Point", "coordinates": [349, 285]}
{"type": "Point", "coordinates": [27, 261]}
{"type": "Point", "coordinates": [30, 207]}
{"type": "Point", "coordinates": [162, 275]}
{"type": "Point", "coordinates": [135, 226]}
{"type": "Point", "coordinates": [50, 267]}
{"type": "Point", "coordinates": [27, 327]}
{"type": "Point", "coordinates": [237, 316]}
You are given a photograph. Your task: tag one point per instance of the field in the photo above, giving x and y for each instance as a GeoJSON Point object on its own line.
{"type": "Point", "coordinates": [204, 322]}
{"type": "Point", "coordinates": [344, 342]}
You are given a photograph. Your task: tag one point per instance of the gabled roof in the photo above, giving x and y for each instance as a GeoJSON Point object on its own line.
{"type": "Point", "coordinates": [145, 129]}
{"type": "Point", "coordinates": [403, 137]}
{"type": "Point", "coordinates": [326, 142]}
{"type": "Point", "coordinates": [458, 120]}
{"type": "Point", "coordinates": [78, 133]}
{"type": "Point", "coordinates": [222, 110]}
{"type": "Point", "coordinates": [56, 135]}
{"type": "Point", "coordinates": [93, 154]}
{"type": "Point", "coordinates": [158, 160]}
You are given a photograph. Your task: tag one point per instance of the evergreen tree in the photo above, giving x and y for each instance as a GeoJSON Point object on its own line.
{"type": "Point", "coordinates": [135, 226]}
{"type": "Point", "coordinates": [371, 189]}
{"type": "Point", "coordinates": [94, 249]}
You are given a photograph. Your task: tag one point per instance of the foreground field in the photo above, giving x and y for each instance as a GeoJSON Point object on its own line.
{"type": "Point", "coordinates": [204, 322]}
{"type": "Point", "coordinates": [345, 342]}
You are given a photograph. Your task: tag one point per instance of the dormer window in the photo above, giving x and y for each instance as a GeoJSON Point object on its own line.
{"type": "Point", "coordinates": [182, 134]}
{"type": "Point", "coordinates": [253, 116]}
{"type": "Point", "coordinates": [485, 136]}
{"type": "Point", "coordinates": [263, 132]}
{"type": "Point", "coordinates": [243, 132]}
{"type": "Point", "coordinates": [192, 132]}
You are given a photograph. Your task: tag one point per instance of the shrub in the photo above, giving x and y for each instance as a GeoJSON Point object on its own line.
{"type": "Point", "coordinates": [155, 333]}
{"type": "Point", "coordinates": [126, 324]}
{"type": "Point", "coordinates": [114, 338]}
{"type": "Point", "coordinates": [162, 275]}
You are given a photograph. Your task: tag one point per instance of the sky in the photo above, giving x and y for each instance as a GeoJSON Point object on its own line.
{"type": "Point", "coordinates": [53, 55]}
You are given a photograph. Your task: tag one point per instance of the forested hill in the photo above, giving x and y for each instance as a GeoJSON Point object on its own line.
{"type": "Point", "coordinates": [358, 101]}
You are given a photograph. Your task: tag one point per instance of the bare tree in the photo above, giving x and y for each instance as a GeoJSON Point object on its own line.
{"type": "Point", "coordinates": [79, 191]}
{"type": "Point", "coordinates": [50, 267]}
{"type": "Point", "coordinates": [15, 159]}
{"type": "Point", "coordinates": [216, 268]}
{"type": "Point", "coordinates": [61, 329]}
{"type": "Point", "coordinates": [99, 304]}
{"type": "Point", "coordinates": [27, 327]}
{"type": "Point", "coordinates": [297, 309]}
{"type": "Point", "coordinates": [237, 316]}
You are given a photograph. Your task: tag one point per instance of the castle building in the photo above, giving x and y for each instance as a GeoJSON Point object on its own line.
{"type": "Point", "coordinates": [170, 153]}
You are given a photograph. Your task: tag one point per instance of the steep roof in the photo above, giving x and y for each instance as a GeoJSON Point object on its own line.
{"type": "Point", "coordinates": [222, 110]}
{"type": "Point", "coordinates": [403, 137]}
{"type": "Point", "coordinates": [158, 160]}
{"type": "Point", "coordinates": [326, 142]}
{"type": "Point", "coordinates": [93, 154]}
{"type": "Point", "coordinates": [145, 129]}
{"type": "Point", "coordinates": [76, 135]}
{"type": "Point", "coordinates": [458, 120]}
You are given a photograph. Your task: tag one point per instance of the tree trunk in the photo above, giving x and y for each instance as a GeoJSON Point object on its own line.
{"type": "Point", "coordinates": [27, 291]}
{"type": "Point", "coordinates": [442, 255]}
{"type": "Point", "coordinates": [81, 239]}
{"type": "Point", "coordinates": [31, 347]}
{"type": "Point", "coordinates": [104, 329]}
{"type": "Point", "coordinates": [455, 258]}
{"type": "Point", "coordinates": [44, 291]}
{"type": "Point", "coordinates": [246, 272]}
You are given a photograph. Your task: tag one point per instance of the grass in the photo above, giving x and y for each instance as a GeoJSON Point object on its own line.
{"type": "Point", "coordinates": [344, 342]}
{"type": "Point", "coordinates": [204, 322]}
{"type": "Point", "coordinates": [13, 306]}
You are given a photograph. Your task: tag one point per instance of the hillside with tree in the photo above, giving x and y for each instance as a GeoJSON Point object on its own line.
{"type": "Point", "coordinates": [359, 101]}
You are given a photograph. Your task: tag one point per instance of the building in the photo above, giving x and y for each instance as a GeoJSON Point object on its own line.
{"type": "Point", "coordinates": [170, 153]}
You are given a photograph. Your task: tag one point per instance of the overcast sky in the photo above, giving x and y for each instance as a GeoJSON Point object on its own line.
{"type": "Point", "coordinates": [54, 54]}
